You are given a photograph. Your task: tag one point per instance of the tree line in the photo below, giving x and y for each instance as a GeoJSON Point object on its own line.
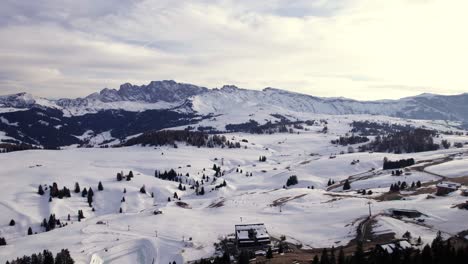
{"type": "Point", "coordinates": [45, 257]}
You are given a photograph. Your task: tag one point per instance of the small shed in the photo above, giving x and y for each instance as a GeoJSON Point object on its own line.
{"type": "Point", "coordinates": [252, 236]}
{"type": "Point", "coordinates": [447, 187]}
{"type": "Point", "coordinates": [405, 212]}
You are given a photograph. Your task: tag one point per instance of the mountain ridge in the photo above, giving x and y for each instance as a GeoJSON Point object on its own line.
{"type": "Point", "coordinates": [185, 97]}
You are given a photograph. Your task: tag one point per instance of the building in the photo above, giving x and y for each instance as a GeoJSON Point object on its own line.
{"type": "Point", "coordinates": [252, 236]}
{"type": "Point", "coordinates": [405, 212]}
{"type": "Point", "coordinates": [465, 192]}
{"type": "Point", "coordinates": [395, 245]}
{"type": "Point", "coordinates": [446, 187]}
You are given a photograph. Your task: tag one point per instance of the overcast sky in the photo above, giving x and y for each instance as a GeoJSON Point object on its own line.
{"type": "Point", "coordinates": [362, 49]}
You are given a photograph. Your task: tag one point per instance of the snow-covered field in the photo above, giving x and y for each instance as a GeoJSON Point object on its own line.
{"type": "Point", "coordinates": [452, 169]}
{"type": "Point", "coordinates": [313, 217]}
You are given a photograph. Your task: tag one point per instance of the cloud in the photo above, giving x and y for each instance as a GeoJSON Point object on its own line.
{"type": "Point", "coordinates": [352, 48]}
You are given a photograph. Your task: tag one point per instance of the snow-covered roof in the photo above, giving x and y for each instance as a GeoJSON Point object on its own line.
{"type": "Point", "coordinates": [450, 185]}
{"type": "Point", "coordinates": [390, 247]}
{"type": "Point", "coordinates": [258, 230]}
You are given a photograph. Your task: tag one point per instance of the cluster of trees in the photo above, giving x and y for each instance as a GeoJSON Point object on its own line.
{"type": "Point", "coordinates": [364, 192]}
{"type": "Point", "coordinates": [396, 187]}
{"type": "Point", "coordinates": [217, 170]}
{"type": "Point", "coordinates": [170, 175]}
{"type": "Point", "coordinates": [171, 137]}
{"type": "Point", "coordinates": [415, 140]}
{"type": "Point", "coordinates": [439, 252]}
{"type": "Point", "coordinates": [292, 180]}
{"type": "Point", "coordinates": [390, 165]}
{"type": "Point", "coordinates": [269, 127]}
{"type": "Point", "coordinates": [45, 257]}
{"type": "Point", "coordinates": [367, 128]}
{"type": "Point", "coordinates": [80, 215]}
{"type": "Point", "coordinates": [262, 158]}
{"type": "Point", "coordinates": [121, 176]}
{"type": "Point", "coordinates": [330, 182]}
{"type": "Point", "coordinates": [89, 194]}
{"type": "Point", "coordinates": [56, 192]}
{"type": "Point", "coordinates": [2, 241]}
{"type": "Point", "coordinates": [199, 191]}
{"type": "Point", "coordinates": [224, 184]}
{"type": "Point", "coordinates": [10, 147]}
{"type": "Point", "coordinates": [50, 224]}
{"type": "Point", "coordinates": [344, 141]}
{"type": "Point", "coordinates": [181, 188]}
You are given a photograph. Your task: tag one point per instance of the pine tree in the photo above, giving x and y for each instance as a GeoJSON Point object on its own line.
{"type": "Point", "coordinates": [63, 257]}
{"type": "Point", "coordinates": [315, 260]}
{"type": "Point", "coordinates": [40, 191]}
{"type": "Point", "coordinates": [341, 257]}
{"type": "Point", "coordinates": [143, 189]}
{"type": "Point", "coordinates": [280, 248]}
{"type": "Point", "coordinates": [324, 257]}
{"type": "Point", "coordinates": [358, 256]}
{"type": "Point", "coordinates": [120, 210]}
{"type": "Point", "coordinates": [48, 258]}
{"type": "Point", "coordinates": [177, 196]}
{"type": "Point", "coordinates": [12, 222]}
{"type": "Point", "coordinates": [84, 193]}
{"type": "Point", "coordinates": [119, 176]}
{"type": "Point", "coordinates": [418, 184]}
{"type": "Point", "coordinates": [90, 197]}
{"type": "Point", "coordinates": [2, 241]}
{"type": "Point", "coordinates": [77, 187]}
{"type": "Point", "coordinates": [332, 256]}
{"type": "Point", "coordinates": [30, 232]}
{"type": "Point", "coordinates": [269, 253]}
{"type": "Point", "coordinates": [100, 187]}
{"type": "Point", "coordinates": [346, 185]}
{"type": "Point", "coordinates": [80, 215]}
{"type": "Point", "coordinates": [426, 255]}
{"type": "Point", "coordinates": [243, 257]}
{"type": "Point", "coordinates": [50, 199]}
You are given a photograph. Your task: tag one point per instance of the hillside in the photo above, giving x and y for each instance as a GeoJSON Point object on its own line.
{"type": "Point", "coordinates": [324, 216]}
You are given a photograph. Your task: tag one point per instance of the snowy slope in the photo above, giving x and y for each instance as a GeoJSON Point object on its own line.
{"type": "Point", "coordinates": [313, 217]}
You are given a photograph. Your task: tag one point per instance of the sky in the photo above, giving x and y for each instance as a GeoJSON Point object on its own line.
{"type": "Point", "coordinates": [360, 49]}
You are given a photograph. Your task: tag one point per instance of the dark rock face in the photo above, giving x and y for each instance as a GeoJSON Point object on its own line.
{"type": "Point", "coordinates": [156, 91]}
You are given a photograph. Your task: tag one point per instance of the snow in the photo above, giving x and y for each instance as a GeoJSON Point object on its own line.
{"type": "Point", "coordinates": [6, 122]}
{"type": "Point", "coordinates": [314, 217]}
{"type": "Point", "coordinates": [452, 169]}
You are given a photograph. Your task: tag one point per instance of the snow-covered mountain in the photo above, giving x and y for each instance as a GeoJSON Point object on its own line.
{"type": "Point", "coordinates": [165, 104]}
{"type": "Point", "coordinates": [188, 97]}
